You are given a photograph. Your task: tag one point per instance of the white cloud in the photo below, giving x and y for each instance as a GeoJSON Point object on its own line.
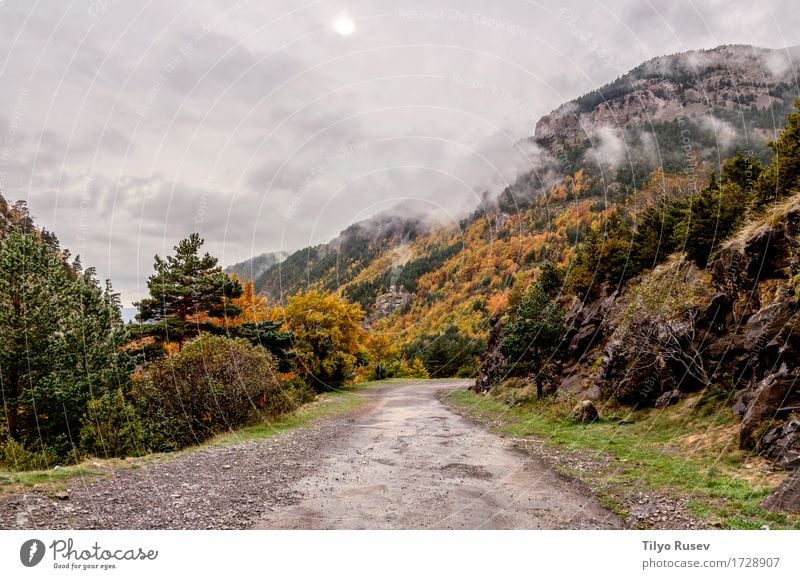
{"type": "Point", "coordinates": [724, 132]}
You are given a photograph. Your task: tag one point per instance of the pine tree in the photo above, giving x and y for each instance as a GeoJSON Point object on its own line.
{"type": "Point", "coordinates": [782, 176]}
{"type": "Point", "coordinates": [32, 310]}
{"type": "Point", "coordinates": [59, 343]}
{"type": "Point", "coordinates": [532, 335]}
{"type": "Point", "coordinates": [186, 290]}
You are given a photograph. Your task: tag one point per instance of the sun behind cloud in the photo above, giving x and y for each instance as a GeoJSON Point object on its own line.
{"type": "Point", "coordinates": [344, 26]}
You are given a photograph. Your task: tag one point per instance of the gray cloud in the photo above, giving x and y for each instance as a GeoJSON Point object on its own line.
{"type": "Point", "coordinates": [261, 127]}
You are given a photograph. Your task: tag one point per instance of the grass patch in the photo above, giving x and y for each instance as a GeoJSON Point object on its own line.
{"type": "Point", "coordinates": [688, 450]}
{"type": "Point", "coordinates": [11, 481]}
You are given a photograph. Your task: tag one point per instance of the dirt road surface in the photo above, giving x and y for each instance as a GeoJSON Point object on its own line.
{"type": "Point", "coordinates": [401, 461]}
{"type": "Point", "coordinates": [410, 463]}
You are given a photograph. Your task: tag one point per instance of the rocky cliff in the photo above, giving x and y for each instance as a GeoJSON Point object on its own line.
{"type": "Point", "coordinates": [732, 329]}
{"type": "Point", "coordinates": [704, 84]}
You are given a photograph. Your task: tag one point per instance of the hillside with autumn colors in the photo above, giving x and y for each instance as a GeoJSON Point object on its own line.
{"type": "Point", "coordinates": [459, 277]}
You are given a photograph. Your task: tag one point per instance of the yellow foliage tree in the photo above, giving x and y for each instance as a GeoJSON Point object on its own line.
{"type": "Point", "coordinates": [254, 306]}
{"type": "Point", "coordinates": [328, 336]}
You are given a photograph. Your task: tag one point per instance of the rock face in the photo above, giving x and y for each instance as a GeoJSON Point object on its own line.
{"type": "Point", "coordinates": [782, 445]}
{"type": "Point", "coordinates": [766, 403]}
{"type": "Point", "coordinates": [394, 300]}
{"type": "Point", "coordinates": [673, 87]}
{"type": "Point", "coordinates": [585, 323]}
{"type": "Point", "coordinates": [787, 496]}
{"type": "Point", "coordinates": [491, 361]}
{"type": "Point", "coordinates": [760, 343]}
{"type": "Point", "coordinates": [744, 332]}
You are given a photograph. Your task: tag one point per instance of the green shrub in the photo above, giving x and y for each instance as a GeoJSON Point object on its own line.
{"type": "Point", "coordinates": [14, 456]}
{"type": "Point", "coordinates": [466, 371]}
{"type": "Point", "coordinates": [112, 427]}
{"type": "Point", "coordinates": [292, 394]}
{"type": "Point", "coordinates": [214, 384]}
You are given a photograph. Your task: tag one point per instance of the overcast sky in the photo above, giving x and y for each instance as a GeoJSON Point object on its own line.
{"type": "Point", "coordinates": [127, 125]}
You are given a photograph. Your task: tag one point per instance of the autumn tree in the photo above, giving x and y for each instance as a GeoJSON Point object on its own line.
{"type": "Point", "coordinates": [327, 337]}
{"type": "Point", "coordinates": [252, 306]}
{"type": "Point", "coordinates": [186, 290]}
{"type": "Point", "coordinates": [387, 360]}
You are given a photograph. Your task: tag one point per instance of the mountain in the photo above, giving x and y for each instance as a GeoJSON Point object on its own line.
{"type": "Point", "coordinates": [744, 88]}
{"type": "Point", "coordinates": [599, 150]}
{"type": "Point", "coordinates": [331, 266]}
{"type": "Point", "coordinates": [253, 267]}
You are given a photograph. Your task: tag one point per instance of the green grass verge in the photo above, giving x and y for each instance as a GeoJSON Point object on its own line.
{"type": "Point", "coordinates": [687, 450]}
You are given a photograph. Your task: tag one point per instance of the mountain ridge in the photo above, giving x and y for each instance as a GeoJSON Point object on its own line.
{"type": "Point", "coordinates": [587, 130]}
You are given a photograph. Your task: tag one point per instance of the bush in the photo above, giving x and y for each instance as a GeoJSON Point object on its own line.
{"type": "Point", "coordinates": [112, 427]}
{"type": "Point", "coordinates": [293, 394]}
{"type": "Point", "coordinates": [212, 385]}
{"type": "Point", "coordinates": [14, 456]}
{"type": "Point", "coordinates": [398, 368]}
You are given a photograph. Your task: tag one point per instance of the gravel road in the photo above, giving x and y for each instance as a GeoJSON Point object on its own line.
{"type": "Point", "coordinates": [401, 461]}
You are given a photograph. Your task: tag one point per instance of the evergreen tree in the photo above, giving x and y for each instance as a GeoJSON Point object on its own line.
{"type": "Point", "coordinates": [605, 256]}
{"type": "Point", "coordinates": [59, 343]}
{"type": "Point", "coordinates": [782, 176]}
{"type": "Point", "coordinates": [532, 335]}
{"type": "Point", "coordinates": [32, 293]}
{"type": "Point", "coordinates": [186, 290]}
{"type": "Point", "coordinates": [449, 353]}
{"type": "Point", "coordinates": [742, 170]}
{"type": "Point", "coordinates": [709, 217]}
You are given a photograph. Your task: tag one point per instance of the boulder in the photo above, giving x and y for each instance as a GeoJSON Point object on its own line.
{"type": "Point", "coordinates": [585, 322]}
{"type": "Point", "coordinates": [766, 253]}
{"type": "Point", "coordinates": [741, 400]}
{"type": "Point", "coordinates": [715, 314]}
{"type": "Point", "coordinates": [787, 496]}
{"type": "Point", "coordinates": [668, 399]}
{"type": "Point", "coordinates": [782, 445]}
{"type": "Point", "coordinates": [586, 337]}
{"type": "Point", "coordinates": [635, 376]}
{"type": "Point", "coordinates": [582, 385]}
{"type": "Point", "coordinates": [770, 395]}
{"type": "Point", "coordinates": [585, 412]}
